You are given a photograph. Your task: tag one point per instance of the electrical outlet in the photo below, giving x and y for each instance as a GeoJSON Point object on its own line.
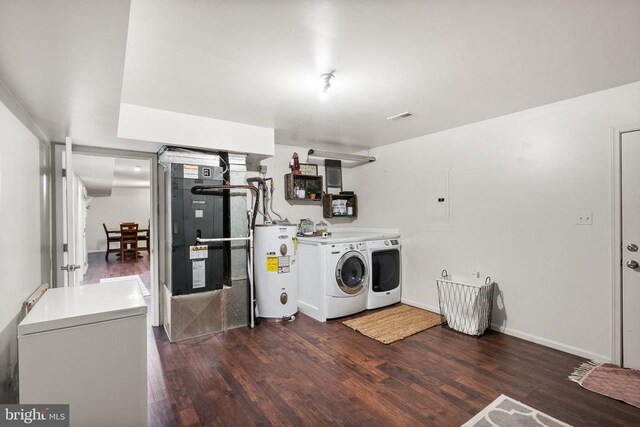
{"type": "Point", "coordinates": [585, 219]}
{"type": "Point", "coordinates": [475, 273]}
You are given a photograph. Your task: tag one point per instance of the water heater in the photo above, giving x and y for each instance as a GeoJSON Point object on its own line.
{"type": "Point", "coordinates": [276, 271]}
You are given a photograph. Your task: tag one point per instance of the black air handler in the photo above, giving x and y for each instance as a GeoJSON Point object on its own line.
{"type": "Point", "coordinates": [193, 216]}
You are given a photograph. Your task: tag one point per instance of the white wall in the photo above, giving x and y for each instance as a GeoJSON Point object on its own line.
{"type": "Point", "coordinates": [20, 241]}
{"type": "Point", "coordinates": [124, 204]}
{"type": "Point", "coordinates": [169, 127]}
{"type": "Point", "coordinates": [517, 185]}
{"type": "Point", "coordinates": [295, 210]}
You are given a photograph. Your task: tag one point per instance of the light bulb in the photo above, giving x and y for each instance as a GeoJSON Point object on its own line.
{"type": "Point", "coordinates": [324, 94]}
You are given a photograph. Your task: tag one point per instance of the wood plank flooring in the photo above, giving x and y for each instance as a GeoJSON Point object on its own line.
{"type": "Point", "coordinates": [100, 269]}
{"type": "Point", "coordinates": [311, 373]}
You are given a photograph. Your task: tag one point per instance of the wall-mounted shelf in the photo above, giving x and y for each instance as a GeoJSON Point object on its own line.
{"type": "Point", "coordinates": [291, 181]}
{"type": "Point", "coordinates": [351, 201]}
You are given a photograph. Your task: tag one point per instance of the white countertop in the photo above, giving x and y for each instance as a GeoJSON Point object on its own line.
{"type": "Point", "coordinates": [349, 235]}
{"type": "Point", "coordinates": [80, 305]}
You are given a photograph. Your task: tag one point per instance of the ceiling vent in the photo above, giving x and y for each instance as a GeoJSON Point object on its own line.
{"type": "Point", "coordinates": [400, 116]}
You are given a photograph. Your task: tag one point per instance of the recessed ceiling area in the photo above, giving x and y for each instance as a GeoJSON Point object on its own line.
{"type": "Point", "coordinates": [101, 174]}
{"type": "Point", "coordinates": [259, 63]}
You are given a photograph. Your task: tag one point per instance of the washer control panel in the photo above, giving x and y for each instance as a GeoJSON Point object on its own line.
{"type": "Point", "coordinates": [359, 246]}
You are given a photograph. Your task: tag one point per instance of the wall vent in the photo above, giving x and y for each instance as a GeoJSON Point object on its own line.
{"type": "Point", "coordinates": [400, 116]}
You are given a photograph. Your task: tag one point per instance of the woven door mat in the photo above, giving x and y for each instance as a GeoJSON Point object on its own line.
{"type": "Point", "coordinates": [609, 380]}
{"type": "Point", "coordinates": [394, 324]}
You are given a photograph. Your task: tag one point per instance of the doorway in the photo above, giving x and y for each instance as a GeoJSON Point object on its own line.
{"type": "Point", "coordinates": [630, 242]}
{"type": "Point", "coordinates": [109, 189]}
{"type": "Point", "coordinates": [113, 191]}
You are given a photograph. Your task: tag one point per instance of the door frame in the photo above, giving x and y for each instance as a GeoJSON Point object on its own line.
{"type": "Point", "coordinates": [152, 158]}
{"type": "Point", "coordinates": [616, 241]}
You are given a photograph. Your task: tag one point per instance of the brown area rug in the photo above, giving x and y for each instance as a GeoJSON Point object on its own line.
{"type": "Point", "coordinates": [609, 380]}
{"type": "Point", "coordinates": [393, 324]}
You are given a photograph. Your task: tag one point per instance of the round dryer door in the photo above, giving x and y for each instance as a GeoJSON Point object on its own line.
{"type": "Point", "coordinates": [351, 273]}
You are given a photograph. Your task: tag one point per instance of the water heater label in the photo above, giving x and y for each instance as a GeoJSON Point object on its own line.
{"type": "Point", "coordinates": [190, 171]}
{"type": "Point", "coordinates": [283, 264]}
{"type": "Point", "coordinates": [199, 274]}
{"type": "Point", "coordinates": [272, 264]}
{"type": "Point", "coordinates": [198, 252]}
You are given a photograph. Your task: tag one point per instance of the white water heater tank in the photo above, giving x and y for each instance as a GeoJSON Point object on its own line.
{"type": "Point", "coordinates": [276, 271]}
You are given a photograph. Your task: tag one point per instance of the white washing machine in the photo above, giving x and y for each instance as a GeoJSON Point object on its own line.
{"type": "Point", "coordinates": [385, 280]}
{"type": "Point", "coordinates": [346, 279]}
{"type": "Point", "coordinates": [333, 276]}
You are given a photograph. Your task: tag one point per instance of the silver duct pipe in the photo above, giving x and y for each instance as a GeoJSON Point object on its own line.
{"type": "Point", "coordinates": [261, 188]}
{"type": "Point", "coordinates": [271, 190]}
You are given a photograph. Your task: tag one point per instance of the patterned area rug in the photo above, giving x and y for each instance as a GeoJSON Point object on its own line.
{"type": "Point", "coordinates": [506, 412]}
{"type": "Point", "coordinates": [393, 324]}
{"type": "Point", "coordinates": [609, 380]}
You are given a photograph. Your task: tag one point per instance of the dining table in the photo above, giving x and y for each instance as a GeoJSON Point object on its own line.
{"type": "Point", "coordinates": [117, 230]}
{"type": "Point", "coordinates": [142, 235]}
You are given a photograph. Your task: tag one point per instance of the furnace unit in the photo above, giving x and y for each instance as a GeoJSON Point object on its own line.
{"type": "Point", "coordinates": [195, 267]}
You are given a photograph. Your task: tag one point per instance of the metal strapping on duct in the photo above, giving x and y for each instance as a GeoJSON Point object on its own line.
{"type": "Point", "coordinates": [237, 162]}
{"type": "Point", "coordinates": [168, 155]}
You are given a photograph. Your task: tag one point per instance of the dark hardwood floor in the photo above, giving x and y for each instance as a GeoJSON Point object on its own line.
{"type": "Point", "coordinates": [311, 373]}
{"type": "Point", "coordinates": [100, 269]}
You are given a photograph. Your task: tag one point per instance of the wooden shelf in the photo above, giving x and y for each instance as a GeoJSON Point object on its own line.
{"type": "Point", "coordinates": [302, 181]}
{"type": "Point", "coordinates": [327, 205]}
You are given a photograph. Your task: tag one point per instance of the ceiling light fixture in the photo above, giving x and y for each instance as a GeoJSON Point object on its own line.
{"type": "Point", "coordinates": [137, 168]}
{"type": "Point", "coordinates": [400, 116]}
{"type": "Point", "coordinates": [326, 77]}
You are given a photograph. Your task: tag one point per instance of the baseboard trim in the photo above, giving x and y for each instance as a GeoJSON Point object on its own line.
{"type": "Point", "coordinates": [420, 305]}
{"type": "Point", "coordinates": [551, 344]}
{"type": "Point", "coordinates": [526, 336]}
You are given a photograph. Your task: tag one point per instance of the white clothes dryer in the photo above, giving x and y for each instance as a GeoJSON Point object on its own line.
{"type": "Point", "coordinates": [385, 280]}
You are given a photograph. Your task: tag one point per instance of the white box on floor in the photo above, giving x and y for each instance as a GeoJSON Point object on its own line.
{"type": "Point", "coordinates": [86, 346]}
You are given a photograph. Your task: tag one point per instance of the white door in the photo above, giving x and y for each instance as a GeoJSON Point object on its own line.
{"type": "Point", "coordinates": [69, 266]}
{"type": "Point", "coordinates": [630, 254]}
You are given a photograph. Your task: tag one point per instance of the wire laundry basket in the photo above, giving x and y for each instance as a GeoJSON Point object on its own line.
{"type": "Point", "coordinates": [466, 306]}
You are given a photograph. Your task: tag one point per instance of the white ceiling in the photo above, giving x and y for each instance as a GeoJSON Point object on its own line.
{"type": "Point", "coordinates": [449, 62]}
{"type": "Point", "coordinates": [101, 174]}
{"type": "Point", "coordinates": [64, 61]}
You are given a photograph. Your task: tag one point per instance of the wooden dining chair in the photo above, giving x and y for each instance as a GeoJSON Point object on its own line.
{"type": "Point", "coordinates": [111, 238]}
{"type": "Point", "coordinates": [128, 240]}
{"type": "Point", "coordinates": [144, 236]}
{"type": "Point", "coordinates": [148, 234]}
